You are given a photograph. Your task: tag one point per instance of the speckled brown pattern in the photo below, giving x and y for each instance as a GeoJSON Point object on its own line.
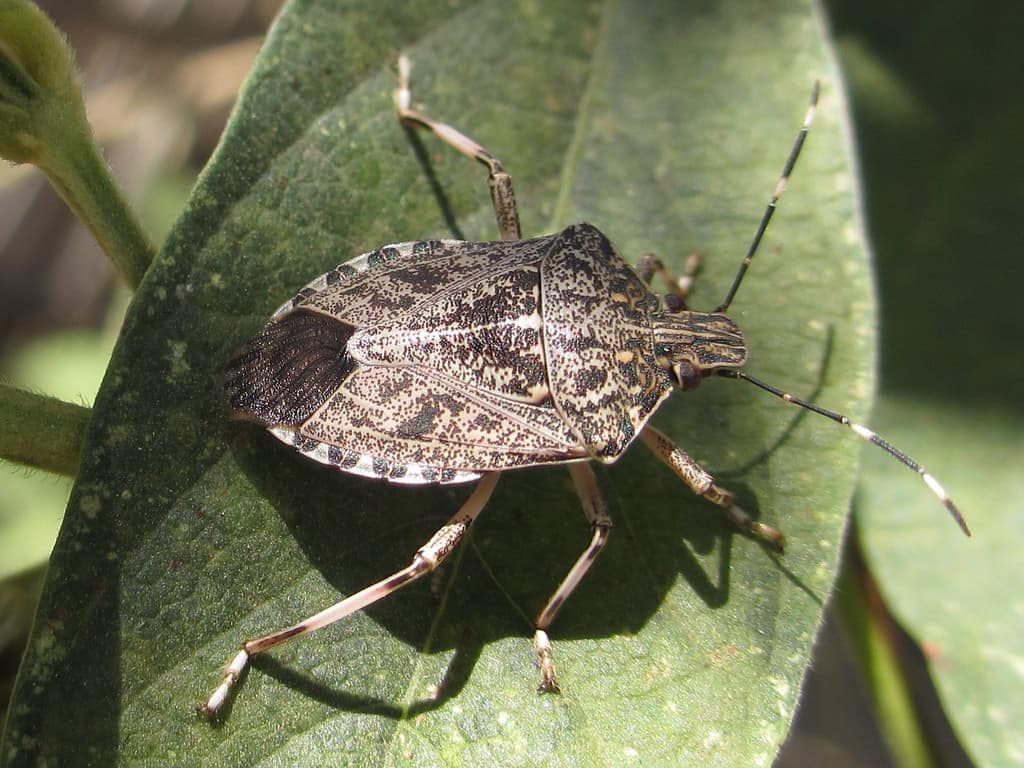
{"type": "Point", "coordinates": [434, 361]}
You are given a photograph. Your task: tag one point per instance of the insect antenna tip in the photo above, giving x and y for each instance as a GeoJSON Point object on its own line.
{"type": "Point", "coordinates": [947, 502]}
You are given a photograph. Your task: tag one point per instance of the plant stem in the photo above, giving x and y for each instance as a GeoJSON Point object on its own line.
{"type": "Point", "coordinates": [43, 122]}
{"type": "Point", "coordinates": [874, 637]}
{"type": "Point", "coordinates": [82, 178]}
{"type": "Point", "coordinates": [40, 431]}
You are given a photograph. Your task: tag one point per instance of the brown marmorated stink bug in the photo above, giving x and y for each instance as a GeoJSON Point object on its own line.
{"type": "Point", "coordinates": [446, 361]}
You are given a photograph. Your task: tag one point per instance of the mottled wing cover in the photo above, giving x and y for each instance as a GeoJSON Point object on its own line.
{"type": "Point", "coordinates": [445, 374]}
{"type": "Point", "coordinates": [380, 287]}
{"type": "Point", "coordinates": [421, 418]}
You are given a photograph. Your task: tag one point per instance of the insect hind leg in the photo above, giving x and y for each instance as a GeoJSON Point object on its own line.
{"type": "Point", "coordinates": [502, 196]}
{"type": "Point", "coordinates": [596, 510]}
{"type": "Point", "coordinates": [426, 559]}
{"type": "Point", "coordinates": [703, 484]}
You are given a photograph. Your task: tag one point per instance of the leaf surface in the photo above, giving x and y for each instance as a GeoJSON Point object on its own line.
{"type": "Point", "coordinates": [952, 594]}
{"type": "Point", "coordinates": [942, 193]}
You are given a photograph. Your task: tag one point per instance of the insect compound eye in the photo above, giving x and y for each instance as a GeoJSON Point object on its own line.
{"type": "Point", "coordinates": [687, 375]}
{"type": "Point", "coordinates": [674, 303]}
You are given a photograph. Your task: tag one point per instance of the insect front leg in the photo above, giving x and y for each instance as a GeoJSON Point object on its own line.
{"type": "Point", "coordinates": [596, 510]}
{"type": "Point", "coordinates": [703, 484]}
{"type": "Point", "coordinates": [678, 287]}
{"type": "Point", "coordinates": [502, 197]}
{"type": "Point", "coordinates": [426, 559]}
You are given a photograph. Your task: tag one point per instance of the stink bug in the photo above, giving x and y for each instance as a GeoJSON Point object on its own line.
{"type": "Point", "coordinates": [448, 361]}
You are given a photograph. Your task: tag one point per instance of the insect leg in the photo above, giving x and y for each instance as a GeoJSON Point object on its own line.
{"type": "Point", "coordinates": [596, 510]}
{"type": "Point", "coordinates": [703, 484]}
{"type": "Point", "coordinates": [678, 287]}
{"type": "Point", "coordinates": [426, 559]}
{"type": "Point", "coordinates": [502, 197]}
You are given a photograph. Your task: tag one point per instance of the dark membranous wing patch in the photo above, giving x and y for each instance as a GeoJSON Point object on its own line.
{"type": "Point", "coordinates": [289, 370]}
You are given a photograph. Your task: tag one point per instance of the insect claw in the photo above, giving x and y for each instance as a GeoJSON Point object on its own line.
{"type": "Point", "coordinates": [403, 99]}
{"type": "Point", "coordinates": [548, 686]}
{"type": "Point", "coordinates": [211, 708]}
{"type": "Point", "coordinates": [771, 536]}
{"type": "Point", "coordinates": [542, 645]}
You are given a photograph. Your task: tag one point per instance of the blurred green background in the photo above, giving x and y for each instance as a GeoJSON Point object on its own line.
{"type": "Point", "coordinates": [934, 90]}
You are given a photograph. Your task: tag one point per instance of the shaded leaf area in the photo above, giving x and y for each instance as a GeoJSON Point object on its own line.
{"type": "Point", "coordinates": [19, 594]}
{"type": "Point", "coordinates": [937, 132]}
{"type": "Point", "coordinates": [953, 594]}
{"type": "Point", "coordinates": [938, 135]}
{"type": "Point", "coordinates": [664, 123]}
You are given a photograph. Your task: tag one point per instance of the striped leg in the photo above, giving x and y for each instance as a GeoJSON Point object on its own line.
{"type": "Point", "coordinates": [426, 559]}
{"type": "Point", "coordinates": [678, 287]}
{"type": "Point", "coordinates": [703, 484]}
{"type": "Point", "coordinates": [502, 197]}
{"type": "Point", "coordinates": [596, 510]}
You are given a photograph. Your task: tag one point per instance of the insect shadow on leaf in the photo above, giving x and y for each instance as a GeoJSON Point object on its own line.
{"type": "Point", "coordinates": [388, 522]}
{"type": "Point", "coordinates": [436, 188]}
{"type": "Point", "coordinates": [792, 424]}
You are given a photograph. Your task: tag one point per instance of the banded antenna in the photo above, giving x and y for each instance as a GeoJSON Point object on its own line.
{"type": "Point", "coordinates": [839, 418]}
{"type": "Point", "coordinates": [866, 434]}
{"type": "Point", "coordinates": [769, 210]}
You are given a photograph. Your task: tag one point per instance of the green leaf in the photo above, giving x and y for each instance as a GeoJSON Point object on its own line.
{"type": "Point", "coordinates": [18, 597]}
{"type": "Point", "coordinates": [664, 123]}
{"type": "Point", "coordinates": [937, 138]}
{"type": "Point", "coordinates": [942, 182]}
{"type": "Point", "coordinates": [952, 595]}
